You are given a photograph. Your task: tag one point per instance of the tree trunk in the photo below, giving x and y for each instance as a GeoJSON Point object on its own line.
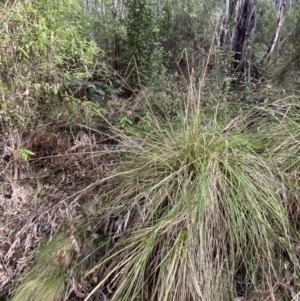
{"type": "Point", "coordinates": [274, 40]}
{"type": "Point", "coordinates": [244, 29]}
{"type": "Point", "coordinates": [226, 33]}
{"type": "Point", "coordinates": [114, 12]}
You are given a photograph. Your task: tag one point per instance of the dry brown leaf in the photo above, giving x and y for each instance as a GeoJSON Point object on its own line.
{"type": "Point", "coordinates": [61, 258]}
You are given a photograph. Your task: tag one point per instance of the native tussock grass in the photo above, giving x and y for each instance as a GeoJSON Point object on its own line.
{"type": "Point", "coordinates": [199, 208]}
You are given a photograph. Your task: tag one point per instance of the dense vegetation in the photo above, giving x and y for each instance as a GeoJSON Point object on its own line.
{"type": "Point", "coordinates": [149, 150]}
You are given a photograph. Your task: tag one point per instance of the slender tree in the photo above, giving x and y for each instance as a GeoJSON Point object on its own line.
{"type": "Point", "coordinates": [239, 24]}
{"type": "Point", "coordinates": [244, 29]}
{"type": "Point", "coordinates": [114, 12]}
{"type": "Point", "coordinates": [274, 41]}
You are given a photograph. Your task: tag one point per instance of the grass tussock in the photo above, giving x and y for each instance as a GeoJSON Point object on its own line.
{"type": "Point", "coordinates": [198, 210]}
{"type": "Point", "coordinates": [46, 280]}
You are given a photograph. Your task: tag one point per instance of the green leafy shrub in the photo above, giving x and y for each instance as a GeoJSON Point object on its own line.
{"type": "Point", "coordinates": [141, 32]}
{"type": "Point", "coordinates": [43, 46]}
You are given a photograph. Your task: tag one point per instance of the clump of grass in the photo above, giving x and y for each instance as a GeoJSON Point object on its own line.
{"type": "Point", "coordinates": [193, 209]}
{"type": "Point", "coordinates": [46, 280]}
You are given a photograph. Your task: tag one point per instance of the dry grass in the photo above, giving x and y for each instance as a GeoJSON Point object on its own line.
{"type": "Point", "coordinates": [198, 210]}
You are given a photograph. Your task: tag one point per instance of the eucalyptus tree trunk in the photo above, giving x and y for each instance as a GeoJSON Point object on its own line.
{"type": "Point", "coordinates": [272, 49]}
{"type": "Point", "coordinates": [226, 33]}
{"type": "Point", "coordinates": [239, 25]}
{"type": "Point", "coordinates": [244, 29]}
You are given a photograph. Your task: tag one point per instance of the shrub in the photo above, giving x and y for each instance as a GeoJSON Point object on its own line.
{"type": "Point", "coordinates": [43, 46]}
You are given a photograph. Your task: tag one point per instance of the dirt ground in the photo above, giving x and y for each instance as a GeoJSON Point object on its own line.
{"type": "Point", "coordinates": [40, 192]}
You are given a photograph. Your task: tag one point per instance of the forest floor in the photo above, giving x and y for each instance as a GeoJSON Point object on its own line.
{"type": "Point", "coordinates": [39, 194]}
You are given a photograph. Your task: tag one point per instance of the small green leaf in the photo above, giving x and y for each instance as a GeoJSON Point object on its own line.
{"type": "Point", "coordinates": [25, 153]}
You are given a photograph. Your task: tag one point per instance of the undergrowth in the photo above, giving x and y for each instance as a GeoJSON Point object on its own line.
{"type": "Point", "coordinates": [199, 207]}
{"type": "Point", "coordinates": [184, 190]}
{"type": "Point", "coordinates": [203, 206]}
